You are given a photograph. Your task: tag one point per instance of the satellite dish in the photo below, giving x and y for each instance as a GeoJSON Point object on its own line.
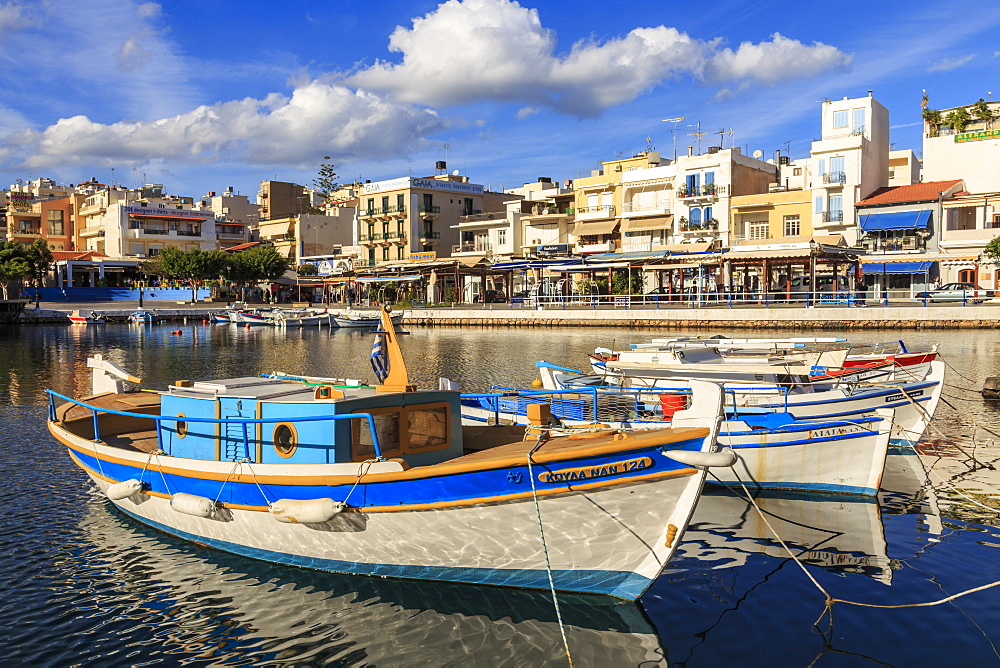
{"type": "Point", "coordinates": [758, 153]}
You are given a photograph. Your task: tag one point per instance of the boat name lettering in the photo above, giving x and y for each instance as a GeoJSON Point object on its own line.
{"type": "Point", "coordinates": [902, 395]}
{"type": "Point", "coordinates": [833, 432]}
{"type": "Point", "coordinates": [602, 471]}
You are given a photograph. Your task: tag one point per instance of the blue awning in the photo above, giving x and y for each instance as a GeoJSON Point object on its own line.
{"type": "Point", "coordinates": [897, 220]}
{"type": "Point", "coordinates": [875, 268]}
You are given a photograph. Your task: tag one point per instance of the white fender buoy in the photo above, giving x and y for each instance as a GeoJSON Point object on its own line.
{"type": "Point", "coordinates": [190, 504]}
{"type": "Point", "coordinates": [307, 511]}
{"type": "Point", "coordinates": [124, 489]}
{"type": "Point", "coordinates": [723, 457]}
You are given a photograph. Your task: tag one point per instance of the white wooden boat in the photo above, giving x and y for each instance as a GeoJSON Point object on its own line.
{"type": "Point", "coordinates": [359, 320]}
{"type": "Point", "coordinates": [773, 450]}
{"type": "Point", "coordinates": [386, 482]}
{"type": "Point", "coordinates": [914, 401]}
{"type": "Point", "coordinates": [142, 316]}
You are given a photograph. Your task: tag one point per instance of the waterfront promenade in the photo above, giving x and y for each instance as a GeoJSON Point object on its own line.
{"type": "Point", "coordinates": [906, 315]}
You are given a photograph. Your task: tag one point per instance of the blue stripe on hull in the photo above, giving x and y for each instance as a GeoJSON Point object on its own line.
{"type": "Point", "coordinates": [472, 485]}
{"type": "Point", "coordinates": [620, 584]}
{"type": "Point", "coordinates": [799, 487]}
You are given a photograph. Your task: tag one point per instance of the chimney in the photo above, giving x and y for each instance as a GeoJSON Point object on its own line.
{"type": "Point", "coordinates": [690, 151]}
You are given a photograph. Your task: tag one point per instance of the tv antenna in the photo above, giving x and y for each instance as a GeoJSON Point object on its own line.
{"type": "Point", "coordinates": [697, 134]}
{"type": "Point", "coordinates": [675, 121]}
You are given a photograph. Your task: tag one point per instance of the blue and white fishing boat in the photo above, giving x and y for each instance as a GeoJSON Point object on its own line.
{"type": "Point", "coordinates": [773, 450]}
{"type": "Point", "coordinates": [385, 481]}
{"type": "Point", "coordinates": [914, 401]}
{"type": "Point", "coordinates": [142, 316]}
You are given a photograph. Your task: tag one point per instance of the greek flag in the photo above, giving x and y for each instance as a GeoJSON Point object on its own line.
{"type": "Point", "coordinates": [380, 358]}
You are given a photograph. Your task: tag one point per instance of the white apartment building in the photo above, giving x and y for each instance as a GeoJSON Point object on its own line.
{"type": "Point", "coordinates": [848, 163]}
{"type": "Point", "coordinates": [136, 224]}
{"type": "Point", "coordinates": [971, 219]}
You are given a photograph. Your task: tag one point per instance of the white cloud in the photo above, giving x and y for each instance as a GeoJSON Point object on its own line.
{"type": "Point", "coordinates": [949, 64]}
{"type": "Point", "coordinates": [779, 60]}
{"type": "Point", "coordinates": [149, 10]}
{"type": "Point", "coordinates": [474, 50]}
{"type": "Point", "coordinates": [277, 130]}
{"type": "Point", "coordinates": [16, 16]}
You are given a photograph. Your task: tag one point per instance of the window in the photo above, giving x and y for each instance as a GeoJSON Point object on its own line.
{"type": "Point", "coordinates": [837, 165]}
{"type": "Point", "coordinates": [821, 166]}
{"type": "Point", "coordinates": [996, 220]}
{"type": "Point", "coordinates": [757, 229]}
{"type": "Point", "coordinates": [836, 203]}
{"type": "Point", "coordinates": [400, 202]}
{"type": "Point", "coordinates": [695, 217]}
{"type": "Point", "coordinates": [425, 427]}
{"type": "Point", "coordinates": [859, 121]}
{"type": "Point", "coordinates": [840, 119]}
{"type": "Point", "coordinates": [55, 219]}
{"type": "Point", "coordinates": [371, 205]}
{"type": "Point", "coordinates": [797, 171]}
{"type": "Point", "coordinates": [502, 237]}
{"type": "Point", "coordinates": [818, 205]}
{"type": "Point", "coordinates": [708, 214]}
{"type": "Point", "coordinates": [385, 253]}
{"type": "Point", "coordinates": [792, 226]}
{"type": "Point", "coordinates": [285, 439]}
{"type": "Point", "coordinates": [709, 177]}
{"type": "Point", "coordinates": [385, 203]}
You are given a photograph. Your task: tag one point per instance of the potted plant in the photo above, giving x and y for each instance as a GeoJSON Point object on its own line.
{"type": "Point", "coordinates": [682, 191]}
{"type": "Point", "coordinates": [708, 189]}
{"type": "Point", "coordinates": [683, 223]}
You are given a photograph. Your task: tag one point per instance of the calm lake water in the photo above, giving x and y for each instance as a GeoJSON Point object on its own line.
{"type": "Point", "coordinates": [84, 585]}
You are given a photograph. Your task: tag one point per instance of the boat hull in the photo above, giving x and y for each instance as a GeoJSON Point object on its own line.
{"type": "Point", "coordinates": [610, 535]}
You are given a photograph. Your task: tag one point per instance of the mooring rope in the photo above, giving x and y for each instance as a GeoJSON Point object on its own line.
{"type": "Point", "coordinates": [832, 600]}
{"type": "Point", "coordinates": [542, 437]}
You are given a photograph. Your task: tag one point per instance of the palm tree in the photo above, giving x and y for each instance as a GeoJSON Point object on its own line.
{"type": "Point", "coordinates": [934, 120]}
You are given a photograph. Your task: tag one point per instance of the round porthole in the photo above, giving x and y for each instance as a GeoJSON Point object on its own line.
{"type": "Point", "coordinates": [182, 426]}
{"type": "Point", "coordinates": [285, 439]}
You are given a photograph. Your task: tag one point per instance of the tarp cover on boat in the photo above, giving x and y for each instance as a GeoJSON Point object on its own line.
{"type": "Point", "coordinates": [897, 220]}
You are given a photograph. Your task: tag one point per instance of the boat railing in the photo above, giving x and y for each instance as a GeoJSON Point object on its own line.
{"type": "Point", "coordinates": [160, 419]}
{"type": "Point", "coordinates": [617, 404]}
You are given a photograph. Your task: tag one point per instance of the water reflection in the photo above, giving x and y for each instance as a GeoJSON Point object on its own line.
{"type": "Point", "coordinates": [202, 604]}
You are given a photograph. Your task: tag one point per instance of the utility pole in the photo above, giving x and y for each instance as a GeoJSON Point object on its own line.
{"type": "Point", "coordinates": [675, 121]}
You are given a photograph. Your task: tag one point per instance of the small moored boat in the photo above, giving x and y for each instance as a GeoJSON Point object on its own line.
{"type": "Point", "coordinates": [385, 481]}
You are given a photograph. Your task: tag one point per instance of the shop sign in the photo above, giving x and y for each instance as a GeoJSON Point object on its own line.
{"type": "Point", "coordinates": [423, 256]}
{"type": "Point", "coordinates": [977, 136]}
{"type": "Point", "coordinates": [549, 249]}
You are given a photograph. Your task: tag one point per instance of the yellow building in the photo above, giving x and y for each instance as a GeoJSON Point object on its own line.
{"type": "Point", "coordinates": [773, 215]}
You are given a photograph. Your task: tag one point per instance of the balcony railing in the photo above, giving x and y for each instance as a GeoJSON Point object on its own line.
{"type": "Point", "coordinates": [708, 190]}
{"type": "Point", "coordinates": [631, 207]}
{"type": "Point", "coordinates": [472, 248]}
{"type": "Point", "coordinates": [606, 209]}
{"type": "Point", "coordinates": [429, 209]}
{"type": "Point", "coordinates": [383, 211]}
{"type": "Point", "coordinates": [833, 216]}
{"type": "Point", "coordinates": [834, 177]}
{"type": "Point", "coordinates": [483, 217]}
{"type": "Point", "coordinates": [427, 234]}
{"type": "Point", "coordinates": [188, 233]}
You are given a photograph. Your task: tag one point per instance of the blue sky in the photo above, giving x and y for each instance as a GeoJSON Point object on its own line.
{"type": "Point", "coordinates": [200, 96]}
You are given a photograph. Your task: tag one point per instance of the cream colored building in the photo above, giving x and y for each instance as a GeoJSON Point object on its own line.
{"type": "Point", "coordinates": [310, 235]}
{"type": "Point", "coordinates": [408, 215]}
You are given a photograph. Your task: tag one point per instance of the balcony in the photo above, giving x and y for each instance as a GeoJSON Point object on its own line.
{"type": "Point", "coordinates": [27, 232]}
{"type": "Point", "coordinates": [383, 212]}
{"type": "Point", "coordinates": [429, 235]}
{"type": "Point", "coordinates": [480, 217]}
{"type": "Point", "coordinates": [395, 237]}
{"type": "Point", "coordinates": [833, 216]}
{"type": "Point", "coordinates": [429, 212]}
{"type": "Point", "coordinates": [706, 193]}
{"type": "Point", "coordinates": [834, 178]}
{"type": "Point", "coordinates": [631, 209]}
{"type": "Point", "coordinates": [595, 212]}
{"type": "Point", "coordinates": [698, 229]}
{"type": "Point", "coordinates": [478, 247]}
{"type": "Point", "coordinates": [598, 247]}
{"type": "Point", "coordinates": [93, 231]}
{"type": "Point", "coordinates": [230, 235]}
{"type": "Point", "coordinates": [189, 233]}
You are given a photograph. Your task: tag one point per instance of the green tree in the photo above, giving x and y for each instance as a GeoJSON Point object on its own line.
{"type": "Point", "coordinates": [307, 270]}
{"type": "Point", "coordinates": [326, 181]}
{"type": "Point", "coordinates": [934, 121]}
{"type": "Point", "coordinates": [958, 119]}
{"type": "Point", "coordinates": [982, 112]}
{"type": "Point", "coordinates": [14, 265]}
{"type": "Point", "coordinates": [992, 249]}
{"type": "Point", "coordinates": [39, 259]}
{"type": "Point", "coordinates": [193, 265]}
{"type": "Point", "coordinates": [255, 265]}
